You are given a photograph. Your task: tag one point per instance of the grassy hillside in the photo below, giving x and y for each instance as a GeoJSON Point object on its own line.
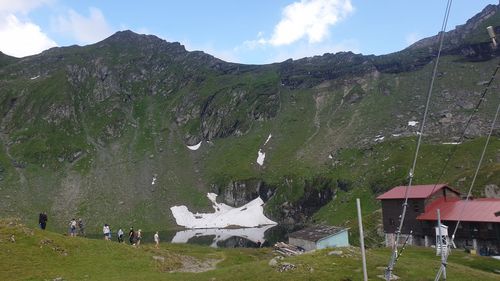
{"type": "Point", "coordinates": [43, 255]}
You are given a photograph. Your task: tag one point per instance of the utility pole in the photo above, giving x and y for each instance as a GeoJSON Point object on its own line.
{"type": "Point", "coordinates": [441, 246]}
{"type": "Point", "coordinates": [362, 239]}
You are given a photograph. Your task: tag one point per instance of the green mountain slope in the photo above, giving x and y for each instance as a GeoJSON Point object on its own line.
{"type": "Point", "coordinates": [86, 131]}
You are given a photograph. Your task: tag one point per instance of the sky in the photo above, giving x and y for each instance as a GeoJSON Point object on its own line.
{"type": "Point", "coordinates": [250, 32]}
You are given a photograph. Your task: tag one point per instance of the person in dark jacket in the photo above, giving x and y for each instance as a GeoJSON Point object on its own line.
{"type": "Point", "coordinates": [131, 236]}
{"type": "Point", "coordinates": [81, 227]}
{"type": "Point", "coordinates": [42, 220]}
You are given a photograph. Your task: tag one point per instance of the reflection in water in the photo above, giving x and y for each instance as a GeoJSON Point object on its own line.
{"type": "Point", "coordinates": [224, 237]}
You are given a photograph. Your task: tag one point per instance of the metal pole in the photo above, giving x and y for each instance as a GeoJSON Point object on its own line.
{"type": "Point", "coordinates": [442, 269]}
{"type": "Point", "coordinates": [362, 239]}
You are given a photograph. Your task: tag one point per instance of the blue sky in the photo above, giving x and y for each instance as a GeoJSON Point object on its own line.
{"type": "Point", "coordinates": [252, 31]}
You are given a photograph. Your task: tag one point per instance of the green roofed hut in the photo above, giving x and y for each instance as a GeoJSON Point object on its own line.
{"type": "Point", "coordinates": [319, 237]}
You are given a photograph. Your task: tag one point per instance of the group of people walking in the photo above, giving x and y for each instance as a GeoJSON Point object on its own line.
{"type": "Point", "coordinates": [77, 227]}
{"type": "Point", "coordinates": [134, 237]}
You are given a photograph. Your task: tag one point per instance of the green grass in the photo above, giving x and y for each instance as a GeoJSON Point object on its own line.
{"type": "Point", "coordinates": [343, 208]}
{"type": "Point", "coordinates": [341, 211]}
{"type": "Point", "coordinates": [386, 165]}
{"type": "Point", "coordinates": [42, 255]}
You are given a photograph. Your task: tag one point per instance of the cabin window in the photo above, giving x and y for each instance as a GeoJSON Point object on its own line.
{"type": "Point", "coordinates": [490, 226]}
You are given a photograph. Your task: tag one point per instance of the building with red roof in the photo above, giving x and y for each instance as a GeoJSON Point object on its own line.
{"type": "Point", "coordinates": [479, 226]}
{"type": "Point", "coordinates": [416, 191]}
{"type": "Point", "coordinates": [475, 210]}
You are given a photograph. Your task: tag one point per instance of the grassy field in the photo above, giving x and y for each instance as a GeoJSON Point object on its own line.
{"type": "Point", "coordinates": [43, 255]}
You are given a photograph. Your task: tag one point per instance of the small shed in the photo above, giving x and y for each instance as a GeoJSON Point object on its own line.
{"type": "Point", "coordinates": [319, 237]}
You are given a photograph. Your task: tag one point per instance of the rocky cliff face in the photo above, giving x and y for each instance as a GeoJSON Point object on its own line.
{"type": "Point", "coordinates": [226, 112]}
{"type": "Point", "coordinates": [238, 193]}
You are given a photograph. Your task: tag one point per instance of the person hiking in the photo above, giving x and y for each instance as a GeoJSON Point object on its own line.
{"type": "Point", "coordinates": [120, 235]}
{"type": "Point", "coordinates": [157, 240]}
{"type": "Point", "coordinates": [42, 220]}
{"type": "Point", "coordinates": [138, 237]}
{"type": "Point", "coordinates": [131, 236]}
{"type": "Point", "coordinates": [72, 228]}
{"type": "Point", "coordinates": [81, 227]}
{"type": "Point", "coordinates": [105, 231]}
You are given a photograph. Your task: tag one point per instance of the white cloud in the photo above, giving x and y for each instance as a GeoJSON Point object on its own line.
{"type": "Point", "coordinates": [84, 29]}
{"type": "Point", "coordinates": [21, 39]}
{"type": "Point", "coordinates": [412, 38]}
{"type": "Point", "coordinates": [253, 44]}
{"type": "Point", "coordinates": [309, 18]}
{"type": "Point", "coordinates": [22, 6]}
{"type": "Point", "coordinates": [304, 19]}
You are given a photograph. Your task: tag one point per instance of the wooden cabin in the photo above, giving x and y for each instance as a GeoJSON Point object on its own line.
{"type": "Point", "coordinates": [479, 228]}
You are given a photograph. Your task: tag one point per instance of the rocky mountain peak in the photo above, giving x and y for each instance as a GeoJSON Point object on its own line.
{"type": "Point", "coordinates": [485, 14]}
{"type": "Point", "coordinates": [471, 32]}
{"type": "Point", "coordinates": [128, 38]}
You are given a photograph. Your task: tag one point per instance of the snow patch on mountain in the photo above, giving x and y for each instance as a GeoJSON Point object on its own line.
{"type": "Point", "coordinates": [248, 215]}
{"type": "Point", "coordinates": [194, 147]}
{"type": "Point", "coordinates": [261, 157]}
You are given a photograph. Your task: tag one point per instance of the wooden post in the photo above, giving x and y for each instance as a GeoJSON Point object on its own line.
{"type": "Point", "coordinates": [362, 240]}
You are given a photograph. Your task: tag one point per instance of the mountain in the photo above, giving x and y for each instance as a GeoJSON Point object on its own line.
{"type": "Point", "coordinates": [6, 59]}
{"type": "Point", "coordinates": [102, 131]}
